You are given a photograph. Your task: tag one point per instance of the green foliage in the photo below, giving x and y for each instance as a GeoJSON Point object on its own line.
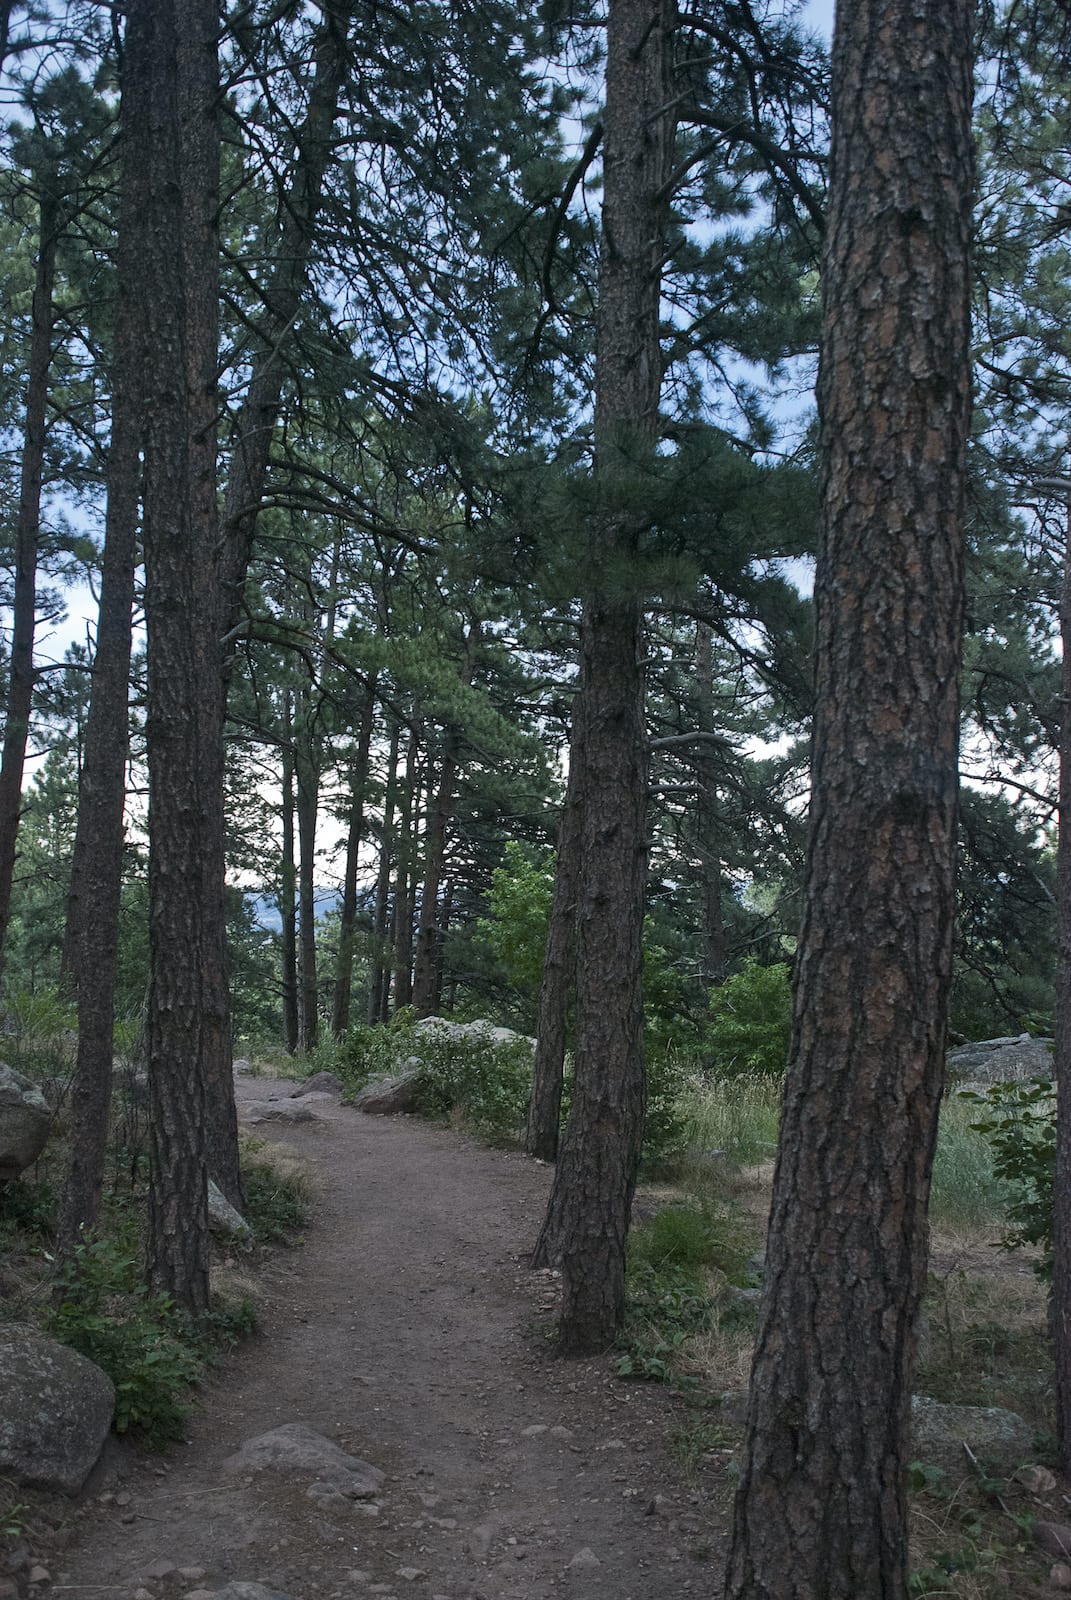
{"type": "Point", "coordinates": [751, 1021]}
{"type": "Point", "coordinates": [27, 1208]}
{"type": "Point", "coordinates": [515, 931]}
{"type": "Point", "coordinates": [485, 1085]}
{"type": "Point", "coordinates": [1019, 1121]}
{"type": "Point", "coordinates": [737, 1115]}
{"type": "Point", "coordinates": [275, 1202]}
{"type": "Point", "coordinates": [106, 1315]}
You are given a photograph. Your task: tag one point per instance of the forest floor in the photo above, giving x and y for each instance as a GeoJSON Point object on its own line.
{"type": "Point", "coordinates": [409, 1330]}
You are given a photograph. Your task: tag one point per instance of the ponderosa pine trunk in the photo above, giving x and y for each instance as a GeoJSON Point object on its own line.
{"type": "Point", "coordinates": [27, 533]}
{"type": "Point", "coordinates": [308, 795]}
{"type": "Point", "coordinates": [91, 936]}
{"type": "Point", "coordinates": [706, 772]}
{"type": "Point", "coordinates": [288, 891]}
{"type": "Point", "coordinates": [440, 813]}
{"type": "Point", "coordinates": [404, 885]}
{"type": "Point", "coordinates": [379, 978]}
{"type": "Point", "coordinates": [1061, 1275]}
{"type": "Point", "coordinates": [596, 1172]}
{"type": "Point", "coordinates": [821, 1506]}
{"type": "Point", "coordinates": [555, 996]}
{"type": "Point", "coordinates": [347, 926]}
{"type": "Point", "coordinates": [175, 48]}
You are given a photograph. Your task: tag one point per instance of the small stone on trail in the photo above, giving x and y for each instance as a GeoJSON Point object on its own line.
{"type": "Point", "coordinates": [561, 1433]}
{"type": "Point", "coordinates": [191, 1574]}
{"type": "Point", "coordinates": [583, 1560]}
{"type": "Point", "coordinates": [534, 1430]}
{"type": "Point", "coordinates": [410, 1574]}
{"type": "Point", "coordinates": [143, 1594]}
{"type": "Point", "coordinates": [40, 1575]}
{"type": "Point", "coordinates": [1060, 1576]}
{"type": "Point", "coordinates": [1037, 1480]}
{"type": "Point", "coordinates": [1053, 1537]}
{"type": "Point", "coordinates": [158, 1571]}
{"type": "Point", "coordinates": [358, 1575]}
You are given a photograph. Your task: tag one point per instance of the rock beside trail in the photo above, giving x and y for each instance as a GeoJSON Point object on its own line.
{"type": "Point", "coordinates": [939, 1433]}
{"type": "Point", "coordinates": [321, 1083]}
{"type": "Point", "coordinates": [25, 1120]}
{"type": "Point", "coordinates": [481, 1032]}
{"type": "Point", "coordinates": [1001, 1060]}
{"type": "Point", "coordinates": [55, 1411]}
{"type": "Point", "coordinates": [388, 1096]}
{"type": "Point", "coordinates": [277, 1111]}
{"type": "Point", "coordinates": [301, 1452]}
{"type": "Point", "coordinates": [224, 1217]}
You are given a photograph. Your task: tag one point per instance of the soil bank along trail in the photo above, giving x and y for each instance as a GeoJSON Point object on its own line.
{"type": "Point", "coordinates": [405, 1330]}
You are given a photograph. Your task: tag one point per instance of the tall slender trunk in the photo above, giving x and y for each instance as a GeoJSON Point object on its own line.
{"type": "Point", "coordinates": [706, 772]}
{"type": "Point", "coordinates": [821, 1504]}
{"type": "Point", "coordinates": [596, 1171]}
{"type": "Point", "coordinates": [404, 880]}
{"type": "Point", "coordinates": [440, 814]}
{"type": "Point", "coordinates": [340, 1010]}
{"type": "Point", "coordinates": [288, 890]}
{"type": "Point", "coordinates": [379, 980]}
{"type": "Point", "coordinates": [175, 49]}
{"type": "Point", "coordinates": [254, 426]}
{"type": "Point", "coordinates": [1061, 1277]}
{"type": "Point", "coordinates": [91, 937]}
{"type": "Point", "coordinates": [308, 798]}
{"type": "Point", "coordinates": [555, 993]}
{"type": "Point", "coordinates": [27, 532]}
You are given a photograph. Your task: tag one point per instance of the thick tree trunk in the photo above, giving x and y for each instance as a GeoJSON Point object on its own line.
{"type": "Point", "coordinates": [596, 1170]}
{"type": "Point", "coordinates": [340, 1009]}
{"type": "Point", "coordinates": [1061, 1277]}
{"type": "Point", "coordinates": [27, 529]}
{"type": "Point", "coordinates": [379, 979]}
{"type": "Point", "coordinates": [821, 1504]}
{"type": "Point", "coordinates": [288, 891]}
{"type": "Point", "coordinates": [91, 942]}
{"type": "Point", "coordinates": [555, 994]}
{"type": "Point", "coordinates": [174, 49]}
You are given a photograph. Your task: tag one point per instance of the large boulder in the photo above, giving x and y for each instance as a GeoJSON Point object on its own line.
{"type": "Point", "coordinates": [301, 1452]}
{"type": "Point", "coordinates": [322, 1084]}
{"type": "Point", "coordinates": [225, 1218]}
{"type": "Point", "coordinates": [55, 1411]}
{"type": "Point", "coordinates": [25, 1119]}
{"type": "Point", "coordinates": [1001, 1060]}
{"type": "Point", "coordinates": [939, 1432]}
{"type": "Point", "coordinates": [386, 1096]}
{"type": "Point", "coordinates": [482, 1032]}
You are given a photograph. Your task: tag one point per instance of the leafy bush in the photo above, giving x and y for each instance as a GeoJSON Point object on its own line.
{"type": "Point", "coordinates": [751, 1022]}
{"type": "Point", "coordinates": [107, 1316]}
{"type": "Point", "coordinates": [275, 1201]}
{"type": "Point", "coordinates": [1019, 1121]}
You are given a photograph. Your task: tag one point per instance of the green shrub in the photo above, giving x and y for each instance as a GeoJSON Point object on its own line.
{"type": "Point", "coordinates": [275, 1202]}
{"type": "Point", "coordinates": [105, 1314]}
{"type": "Point", "coordinates": [1019, 1121]}
{"type": "Point", "coordinates": [751, 1022]}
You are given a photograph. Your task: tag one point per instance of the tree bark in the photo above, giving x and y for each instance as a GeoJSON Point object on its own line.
{"type": "Point", "coordinates": [440, 813]}
{"type": "Point", "coordinates": [596, 1172]}
{"type": "Point", "coordinates": [821, 1507]}
{"type": "Point", "coordinates": [91, 947]}
{"type": "Point", "coordinates": [1061, 1274]}
{"type": "Point", "coordinates": [27, 532]}
{"type": "Point", "coordinates": [404, 887]}
{"type": "Point", "coordinates": [254, 426]}
{"type": "Point", "coordinates": [175, 48]}
{"type": "Point", "coordinates": [340, 1009]}
{"type": "Point", "coordinates": [306, 767]}
{"type": "Point", "coordinates": [379, 979]}
{"type": "Point", "coordinates": [555, 994]}
{"type": "Point", "coordinates": [707, 814]}
{"type": "Point", "coordinates": [288, 890]}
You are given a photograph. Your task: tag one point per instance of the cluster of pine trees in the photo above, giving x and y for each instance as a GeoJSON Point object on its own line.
{"type": "Point", "coordinates": [425, 390]}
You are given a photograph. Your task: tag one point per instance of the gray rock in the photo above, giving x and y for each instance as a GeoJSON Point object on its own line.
{"type": "Point", "coordinates": [243, 1068]}
{"type": "Point", "coordinates": [1001, 1060]}
{"type": "Point", "coordinates": [224, 1217]}
{"type": "Point", "coordinates": [486, 1032]}
{"type": "Point", "coordinates": [939, 1433]}
{"type": "Point", "coordinates": [389, 1095]}
{"type": "Point", "coordinates": [277, 1111]}
{"type": "Point", "coordinates": [299, 1450]}
{"type": "Point", "coordinates": [1052, 1537]}
{"type": "Point", "coordinates": [249, 1591]}
{"type": "Point", "coordinates": [25, 1119]}
{"type": "Point", "coordinates": [319, 1083]}
{"type": "Point", "coordinates": [55, 1411]}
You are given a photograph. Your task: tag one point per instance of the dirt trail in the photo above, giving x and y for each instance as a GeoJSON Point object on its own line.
{"type": "Point", "coordinates": [403, 1329]}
